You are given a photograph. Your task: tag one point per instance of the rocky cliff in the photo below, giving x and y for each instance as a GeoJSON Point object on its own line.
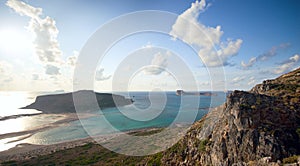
{"type": "Point", "coordinates": [64, 103]}
{"type": "Point", "coordinates": [251, 128]}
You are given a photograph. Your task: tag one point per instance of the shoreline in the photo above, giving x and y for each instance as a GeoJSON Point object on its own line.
{"type": "Point", "coordinates": [25, 151]}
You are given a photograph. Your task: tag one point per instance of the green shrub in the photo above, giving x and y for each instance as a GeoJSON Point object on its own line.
{"type": "Point", "coordinates": [12, 162]}
{"type": "Point", "coordinates": [292, 159]}
{"type": "Point", "coordinates": [155, 160]}
{"type": "Point", "coordinates": [298, 131]}
{"type": "Point", "coordinates": [245, 106]}
{"type": "Point", "coordinates": [258, 101]}
{"type": "Point", "coordinates": [202, 145]}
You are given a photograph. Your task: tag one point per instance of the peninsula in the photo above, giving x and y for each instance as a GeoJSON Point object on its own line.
{"type": "Point", "coordinates": [64, 103]}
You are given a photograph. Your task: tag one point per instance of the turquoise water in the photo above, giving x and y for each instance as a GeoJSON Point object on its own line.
{"type": "Point", "coordinates": [96, 125]}
{"type": "Point", "coordinates": [146, 112]}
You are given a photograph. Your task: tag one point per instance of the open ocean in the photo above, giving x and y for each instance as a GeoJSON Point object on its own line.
{"type": "Point", "coordinates": [12, 101]}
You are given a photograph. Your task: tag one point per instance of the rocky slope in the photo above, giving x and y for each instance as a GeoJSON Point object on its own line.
{"type": "Point", "coordinates": [64, 103]}
{"type": "Point", "coordinates": [251, 128]}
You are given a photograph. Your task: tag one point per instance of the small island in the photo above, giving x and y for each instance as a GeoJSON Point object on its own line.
{"type": "Point", "coordinates": [181, 92]}
{"type": "Point", "coordinates": [64, 103]}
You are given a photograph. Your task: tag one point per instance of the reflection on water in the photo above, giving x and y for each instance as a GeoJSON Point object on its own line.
{"type": "Point", "coordinates": [27, 123]}
{"type": "Point", "coordinates": [10, 104]}
{"type": "Point", "coordinates": [12, 101]}
{"type": "Point", "coordinates": [8, 143]}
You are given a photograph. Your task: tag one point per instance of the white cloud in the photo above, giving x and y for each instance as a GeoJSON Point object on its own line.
{"type": "Point", "coordinates": [46, 44]}
{"type": "Point", "coordinates": [5, 73]}
{"type": "Point", "coordinates": [294, 58]}
{"type": "Point", "coordinates": [249, 64]}
{"type": "Point", "coordinates": [2, 68]}
{"type": "Point", "coordinates": [286, 65]}
{"type": "Point", "coordinates": [52, 70]}
{"type": "Point", "coordinates": [206, 83]}
{"type": "Point", "coordinates": [158, 64]}
{"type": "Point", "coordinates": [5, 68]}
{"type": "Point", "coordinates": [35, 77]}
{"type": "Point", "coordinates": [8, 79]}
{"type": "Point", "coordinates": [238, 79]}
{"type": "Point", "coordinates": [24, 9]}
{"type": "Point", "coordinates": [99, 76]}
{"type": "Point", "coordinates": [251, 81]}
{"type": "Point", "coordinates": [265, 56]}
{"type": "Point", "coordinates": [45, 31]}
{"type": "Point", "coordinates": [71, 60]}
{"type": "Point", "coordinates": [148, 45]}
{"type": "Point", "coordinates": [212, 51]}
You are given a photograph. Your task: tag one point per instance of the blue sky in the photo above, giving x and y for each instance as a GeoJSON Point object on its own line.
{"type": "Point", "coordinates": [255, 40]}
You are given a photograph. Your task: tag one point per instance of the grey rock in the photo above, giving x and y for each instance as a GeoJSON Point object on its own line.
{"type": "Point", "coordinates": [257, 127]}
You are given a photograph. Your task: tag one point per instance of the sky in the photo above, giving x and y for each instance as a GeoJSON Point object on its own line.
{"type": "Point", "coordinates": [207, 45]}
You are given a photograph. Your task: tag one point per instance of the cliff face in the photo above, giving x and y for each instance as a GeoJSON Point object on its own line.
{"type": "Point", "coordinates": [251, 127]}
{"type": "Point", "coordinates": [63, 103]}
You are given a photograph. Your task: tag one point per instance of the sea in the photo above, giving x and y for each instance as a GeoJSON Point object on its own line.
{"type": "Point", "coordinates": [159, 109]}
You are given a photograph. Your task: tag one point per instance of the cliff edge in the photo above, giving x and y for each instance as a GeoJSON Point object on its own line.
{"type": "Point", "coordinates": [258, 127]}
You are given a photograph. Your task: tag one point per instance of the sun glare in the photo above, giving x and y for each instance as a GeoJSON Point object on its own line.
{"type": "Point", "coordinates": [13, 41]}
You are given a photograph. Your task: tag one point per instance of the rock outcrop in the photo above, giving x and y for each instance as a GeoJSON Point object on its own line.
{"type": "Point", "coordinates": [252, 128]}
{"type": "Point", "coordinates": [64, 103]}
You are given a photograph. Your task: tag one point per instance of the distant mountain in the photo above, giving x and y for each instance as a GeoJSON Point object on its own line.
{"type": "Point", "coordinates": [63, 103]}
{"type": "Point", "coordinates": [259, 127]}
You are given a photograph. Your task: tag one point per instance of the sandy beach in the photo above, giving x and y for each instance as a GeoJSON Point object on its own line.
{"type": "Point", "coordinates": [26, 151]}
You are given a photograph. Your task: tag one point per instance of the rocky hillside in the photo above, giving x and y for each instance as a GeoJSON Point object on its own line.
{"type": "Point", "coordinates": [251, 128]}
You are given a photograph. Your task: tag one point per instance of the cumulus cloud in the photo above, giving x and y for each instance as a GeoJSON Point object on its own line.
{"type": "Point", "coordinates": [71, 60]}
{"type": "Point", "coordinates": [5, 68]}
{"type": "Point", "coordinates": [45, 31]}
{"type": "Point", "coordinates": [5, 72]}
{"type": "Point", "coordinates": [2, 68]}
{"type": "Point", "coordinates": [8, 79]}
{"type": "Point", "coordinates": [250, 63]}
{"type": "Point", "coordinates": [158, 64]}
{"type": "Point", "coordinates": [35, 77]}
{"type": "Point", "coordinates": [287, 65]}
{"type": "Point", "coordinates": [212, 50]}
{"type": "Point", "coordinates": [265, 56]}
{"type": "Point", "coordinates": [46, 44]}
{"type": "Point", "coordinates": [24, 9]}
{"type": "Point", "coordinates": [99, 76]}
{"type": "Point", "coordinates": [52, 70]}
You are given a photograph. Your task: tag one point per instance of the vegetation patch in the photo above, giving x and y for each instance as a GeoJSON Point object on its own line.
{"type": "Point", "coordinates": [156, 159]}
{"type": "Point", "coordinates": [12, 162]}
{"type": "Point", "coordinates": [298, 132]}
{"type": "Point", "coordinates": [245, 106]}
{"type": "Point", "coordinates": [292, 159]}
{"type": "Point", "coordinates": [88, 154]}
{"type": "Point", "coordinates": [146, 133]}
{"type": "Point", "coordinates": [202, 145]}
